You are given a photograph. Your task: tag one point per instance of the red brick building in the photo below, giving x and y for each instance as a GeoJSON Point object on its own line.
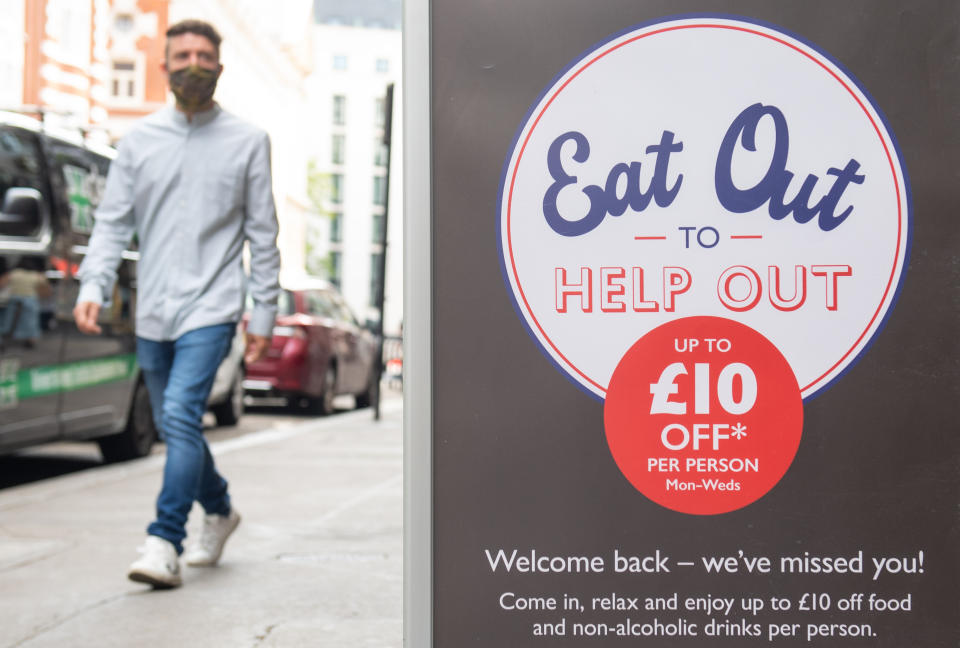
{"type": "Point", "coordinates": [94, 62]}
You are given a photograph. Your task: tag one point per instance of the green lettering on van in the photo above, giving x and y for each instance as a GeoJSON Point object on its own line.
{"type": "Point", "coordinates": [43, 381]}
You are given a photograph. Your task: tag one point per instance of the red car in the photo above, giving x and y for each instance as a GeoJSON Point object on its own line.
{"type": "Point", "coordinates": [319, 351]}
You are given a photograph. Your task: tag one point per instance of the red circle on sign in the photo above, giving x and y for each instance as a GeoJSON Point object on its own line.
{"type": "Point", "coordinates": [703, 415]}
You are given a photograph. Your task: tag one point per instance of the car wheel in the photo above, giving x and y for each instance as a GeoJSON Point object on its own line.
{"type": "Point", "coordinates": [324, 404]}
{"type": "Point", "coordinates": [139, 435]}
{"type": "Point", "coordinates": [229, 411]}
{"type": "Point", "coordinates": [367, 398]}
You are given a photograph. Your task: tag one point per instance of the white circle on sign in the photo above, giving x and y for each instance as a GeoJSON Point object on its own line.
{"type": "Point", "coordinates": [704, 166]}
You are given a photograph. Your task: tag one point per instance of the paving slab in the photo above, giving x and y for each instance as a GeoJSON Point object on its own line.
{"type": "Point", "coordinates": [316, 561]}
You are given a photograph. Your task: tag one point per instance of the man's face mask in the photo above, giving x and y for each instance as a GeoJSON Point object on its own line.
{"type": "Point", "coordinates": [193, 86]}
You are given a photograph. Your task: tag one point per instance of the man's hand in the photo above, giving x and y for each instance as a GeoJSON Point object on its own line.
{"type": "Point", "coordinates": [86, 314]}
{"type": "Point", "coordinates": [257, 346]}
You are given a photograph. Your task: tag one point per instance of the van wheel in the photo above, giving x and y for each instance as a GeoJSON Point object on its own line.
{"type": "Point", "coordinates": [229, 411]}
{"type": "Point", "coordinates": [138, 437]}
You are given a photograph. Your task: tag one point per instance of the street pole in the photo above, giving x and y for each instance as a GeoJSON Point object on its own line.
{"type": "Point", "coordinates": [382, 279]}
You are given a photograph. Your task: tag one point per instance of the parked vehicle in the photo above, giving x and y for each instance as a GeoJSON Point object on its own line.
{"type": "Point", "coordinates": [56, 383]}
{"type": "Point", "coordinates": [226, 396]}
{"type": "Point", "coordinates": [319, 351]}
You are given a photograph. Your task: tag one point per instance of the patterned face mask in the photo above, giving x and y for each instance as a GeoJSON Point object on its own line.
{"type": "Point", "coordinates": [193, 86]}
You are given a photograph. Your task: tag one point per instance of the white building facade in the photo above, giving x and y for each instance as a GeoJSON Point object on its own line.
{"type": "Point", "coordinates": [352, 68]}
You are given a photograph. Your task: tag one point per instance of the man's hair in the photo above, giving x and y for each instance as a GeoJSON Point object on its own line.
{"type": "Point", "coordinates": [193, 26]}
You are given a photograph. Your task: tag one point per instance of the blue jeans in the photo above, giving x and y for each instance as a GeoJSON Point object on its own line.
{"type": "Point", "coordinates": [179, 375]}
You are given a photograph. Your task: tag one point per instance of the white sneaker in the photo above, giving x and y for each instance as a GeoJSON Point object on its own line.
{"type": "Point", "coordinates": [158, 566]}
{"type": "Point", "coordinates": [216, 529]}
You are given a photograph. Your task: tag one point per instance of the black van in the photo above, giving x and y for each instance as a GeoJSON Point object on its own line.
{"type": "Point", "coordinates": [56, 383]}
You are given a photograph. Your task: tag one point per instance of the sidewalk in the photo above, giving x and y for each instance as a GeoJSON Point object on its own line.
{"type": "Point", "coordinates": [316, 561]}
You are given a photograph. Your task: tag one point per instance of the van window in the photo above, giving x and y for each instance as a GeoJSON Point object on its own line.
{"type": "Point", "coordinates": [20, 164]}
{"type": "Point", "coordinates": [19, 160]}
{"type": "Point", "coordinates": [82, 175]}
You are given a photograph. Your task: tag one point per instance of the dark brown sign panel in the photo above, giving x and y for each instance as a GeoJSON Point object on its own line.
{"type": "Point", "coordinates": [695, 307]}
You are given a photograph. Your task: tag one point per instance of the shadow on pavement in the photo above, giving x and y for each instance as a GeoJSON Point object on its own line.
{"type": "Point", "coordinates": [41, 463]}
{"type": "Point", "coordinates": [20, 469]}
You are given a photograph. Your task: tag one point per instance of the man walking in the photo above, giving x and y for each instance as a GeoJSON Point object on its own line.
{"type": "Point", "coordinates": [193, 183]}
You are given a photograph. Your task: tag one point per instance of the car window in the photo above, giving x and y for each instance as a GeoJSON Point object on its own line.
{"type": "Point", "coordinates": [343, 309]}
{"type": "Point", "coordinates": [285, 303]}
{"type": "Point", "coordinates": [319, 304]}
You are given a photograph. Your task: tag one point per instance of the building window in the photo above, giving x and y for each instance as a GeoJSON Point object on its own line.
{"type": "Point", "coordinates": [378, 228]}
{"type": "Point", "coordinates": [336, 227]}
{"type": "Point", "coordinates": [339, 110]}
{"type": "Point", "coordinates": [338, 148]}
{"type": "Point", "coordinates": [380, 112]}
{"type": "Point", "coordinates": [382, 65]}
{"type": "Point", "coordinates": [379, 152]}
{"type": "Point", "coordinates": [339, 62]}
{"type": "Point", "coordinates": [123, 23]}
{"type": "Point", "coordinates": [123, 83]}
{"type": "Point", "coordinates": [375, 278]}
{"type": "Point", "coordinates": [379, 190]}
{"type": "Point", "coordinates": [336, 262]}
{"type": "Point", "coordinates": [336, 188]}
{"type": "Point", "coordinates": [315, 248]}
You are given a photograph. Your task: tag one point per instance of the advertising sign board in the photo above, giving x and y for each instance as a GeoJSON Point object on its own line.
{"type": "Point", "coordinates": [691, 327]}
